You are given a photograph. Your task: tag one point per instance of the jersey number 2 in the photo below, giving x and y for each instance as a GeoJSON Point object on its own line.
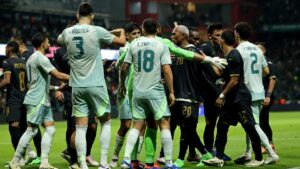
{"type": "Point", "coordinates": [254, 69]}
{"type": "Point", "coordinates": [148, 60]}
{"type": "Point", "coordinates": [78, 40]}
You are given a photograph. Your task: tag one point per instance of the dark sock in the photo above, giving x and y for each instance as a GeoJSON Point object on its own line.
{"type": "Point", "coordinates": [37, 140]}
{"type": "Point", "coordinates": [15, 135]}
{"type": "Point", "coordinates": [90, 138]}
{"type": "Point", "coordinates": [183, 142]}
{"type": "Point", "coordinates": [73, 155]}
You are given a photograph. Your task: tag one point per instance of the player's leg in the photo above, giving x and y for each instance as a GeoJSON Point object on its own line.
{"type": "Point", "coordinates": [48, 123]}
{"type": "Point", "coordinates": [150, 142]}
{"type": "Point", "coordinates": [90, 138]}
{"type": "Point", "coordinates": [99, 101]}
{"type": "Point", "coordinates": [264, 122]}
{"type": "Point", "coordinates": [34, 118]}
{"type": "Point", "coordinates": [80, 111]}
{"type": "Point", "coordinates": [125, 117]}
{"type": "Point", "coordinates": [138, 114]}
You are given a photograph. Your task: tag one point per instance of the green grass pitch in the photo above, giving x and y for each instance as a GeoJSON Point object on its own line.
{"type": "Point", "coordinates": [286, 127]}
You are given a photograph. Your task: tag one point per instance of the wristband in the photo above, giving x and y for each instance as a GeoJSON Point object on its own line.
{"type": "Point", "coordinates": [269, 94]}
{"type": "Point", "coordinates": [222, 96]}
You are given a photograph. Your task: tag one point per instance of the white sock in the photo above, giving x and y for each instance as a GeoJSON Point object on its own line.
{"type": "Point", "coordinates": [141, 142]}
{"type": "Point", "coordinates": [24, 142]}
{"type": "Point", "coordinates": [131, 141]}
{"type": "Point", "coordinates": [167, 143]}
{"type": "Point", "coordinates": [105, 141]}
{"type": "Point", "coordinates": [264, 140]}
{"type": "Point", "coordinates": [46, 143]}
{"type": "Point", "coordinates": [80, 143]}
{"type": "Point", "coordinates": [118, 145]}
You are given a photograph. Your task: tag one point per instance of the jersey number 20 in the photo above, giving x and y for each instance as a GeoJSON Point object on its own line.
{"type": "Point", "coordinates": [148, 60]}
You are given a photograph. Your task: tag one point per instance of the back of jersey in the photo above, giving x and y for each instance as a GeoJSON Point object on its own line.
{"type": "Point", "coordinates": [17, 89]}
{"type": "Point", "coordinates": [254, 62]}
{"type": "Point", "coordinates": [148, 55]}
{"type": "Point", "coordinates": [83, 43]}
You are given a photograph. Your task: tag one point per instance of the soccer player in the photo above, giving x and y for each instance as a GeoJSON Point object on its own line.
{"type": "Point", "coordinates": [269, 85]}
{"type": "Point", "coordinates": [38, 67]}
{"type": "Point", "coordinates": [89, 91]}
{"type": "Point", "coordinates": [235, 101]}
{"type": "Point", "coordinates": [186, 108]}
{"type": "Point", "coordinates": [211, 112]}
{"type": "Point", "coordinates": [64, 96]}
{"type": "Point", "coordinates": [35, 158]}
{"type": "Point", "coordinates": [255, 65]}
{"type": "Point", "coordinates": [132, 31]}
{"type": "Point", "coordinates": [149, 56]}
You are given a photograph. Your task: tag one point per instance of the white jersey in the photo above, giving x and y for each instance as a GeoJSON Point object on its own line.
{"type": "Point", "coordinates": [254, 62]}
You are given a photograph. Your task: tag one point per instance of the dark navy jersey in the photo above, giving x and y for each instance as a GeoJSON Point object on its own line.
{"type": "Point", "coordinates": [210, 50]}
{"type": "Point", "coordinates": [25, 55]}
{"type": "Point", "coordinates": [185, 80]}
{"type": "Point", "coordinates": [271, 75]}
{"type": "Point", "coordinates": [235, 68]}
{"type": "Point", "coordinates": [16, 90]}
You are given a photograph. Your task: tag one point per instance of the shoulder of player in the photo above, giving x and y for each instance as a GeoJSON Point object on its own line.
{"type": "Point", "coordinates": [192, 47]}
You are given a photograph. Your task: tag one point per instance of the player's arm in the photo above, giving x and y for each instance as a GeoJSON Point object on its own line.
{"type": "Point", "coordinates": [169, 81]}
{"type": "Point", "coordinates": [59, 75]}
{"type": "Point", "coordinates": [265, 66]}
{"type": "Point", "coordinates": [186, 54]}
{"type": "Point", "coordinates": [121, 59]}
{"type": "Point", "coordinates": [121, 39]}
{"type": "Point", "coordinates": [234, 67]}
{"type": "Point", "coordinates": [123, 74]}
{"type": "Point", "coordinates": [6, 79]}
{"type": "Point", "coordinates": [271, 86]}
{"type": "Point", "coordinates": [60, 40]}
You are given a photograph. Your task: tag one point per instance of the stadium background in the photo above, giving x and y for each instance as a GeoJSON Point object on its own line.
{"type": "Point", "coordinates": [275, 22]}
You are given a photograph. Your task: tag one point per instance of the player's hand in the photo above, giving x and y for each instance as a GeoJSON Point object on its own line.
{"type": "Point", "coordinates": [111, 67]}
{"type": "Point", "coordinates": [171, 99]}
{"type": "Point", "coordinates": [216, 61]}
{"type": "Point", "coordinates": [267, 101]}
{"type": "Point", "coordinates": [220, 102]}
{"type": "Point", "coordinates": [122, 92]}
{"type": "Point", "coordinates": [59, 96]}
{"type": "Point", "coordinates": [62, 85]}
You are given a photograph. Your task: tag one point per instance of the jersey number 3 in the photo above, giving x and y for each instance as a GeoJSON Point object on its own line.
{"type": "Point", "coordinates": [148, 60]}
{"type": "Point", "coordinates": [254, 69]}
{"type": "Point", "coordinates": [78, 40]}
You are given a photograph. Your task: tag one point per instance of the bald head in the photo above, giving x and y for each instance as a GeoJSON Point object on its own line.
{"type": "Point", "coordinates": [183, 30]}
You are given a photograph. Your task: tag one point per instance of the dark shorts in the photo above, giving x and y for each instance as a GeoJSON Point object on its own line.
{"type": "Point", "coordinates": [15, 113]}
{"type": "Point", "coordinates": [238, 112]}
{"type": "Point", "coordinates": [183, 112]}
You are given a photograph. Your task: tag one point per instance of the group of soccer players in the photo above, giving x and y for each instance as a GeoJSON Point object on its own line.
{"type": "Point", "coordinates": [155, 74]}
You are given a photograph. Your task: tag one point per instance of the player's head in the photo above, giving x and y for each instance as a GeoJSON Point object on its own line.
{"type": "Point", "coordinates": [194, 37]}
{"type": "Point", "coordinates": [85, 10]}
{"type": "Point", "coordinates": [242, 31]}
{"type": "Point", "coordinates": [262, 46]}
{"type": "Point", "coordinates": [180, 34]}
{"type": "Point", "coordinates": [227, 38]}
{"type": "Point", "coordinates": [132, 31]}
{"type": "Point", "coordinates": [150, 26]}
{"type": "Point", "coordinates": [40, 42]}
{"type": "Point", "coordinates": [12, 48]}
{"type": "Point", "coordinates": [214, 32]}
{"type": "Point", "coordinates": [20, 40]}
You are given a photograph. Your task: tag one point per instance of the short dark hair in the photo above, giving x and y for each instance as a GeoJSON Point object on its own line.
{"type": "Point", "coordinates": [131, 27]}
{"type": "Point", "coordinates": [150, 25]}
{"type": "Point", "coordinates": [18, 38]}
{"type": "Point", "coordinates": [13, 45]}
{"type": "Point", "coordinates": [243, 29]}
{"type": "Point", "coordinates": [212, 27]}
{"type": "Point", "coordinates": [37, 39]}
{"type": "Point", "coordinates": [261, 44]}
{"type": "Point", "coordinates": [85, 9]}
{"type": "Point", "coordinates": [228, 37]}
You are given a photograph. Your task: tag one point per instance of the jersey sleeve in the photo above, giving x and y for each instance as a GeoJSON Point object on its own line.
{"type": "Point", "coordinates": [234, 64]}
{"type": "Point", "coordinates": [177, 51]}
{"type": "Point", "coordinates": [166, 58]}
{"type": "Point", "coordinates": [128, 57]}
{"type": "Point", "coordinates": [60, 39]}
{"type": "Point", "coordinates": [6, 67]}
{"type": "Point", "coordinates": [45, 64]}
{"type": "Point", "coordinates": [264, 61]}
{"type": "Point", "coordinates": [104, 35]}
{"type": "Point", "coordinates": [121, 57]}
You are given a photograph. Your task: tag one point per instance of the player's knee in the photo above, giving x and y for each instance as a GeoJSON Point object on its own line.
{"type": "Point", "coordinates": [15, 124]}
{"type": "Point", "coordinates": [50, 130]}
